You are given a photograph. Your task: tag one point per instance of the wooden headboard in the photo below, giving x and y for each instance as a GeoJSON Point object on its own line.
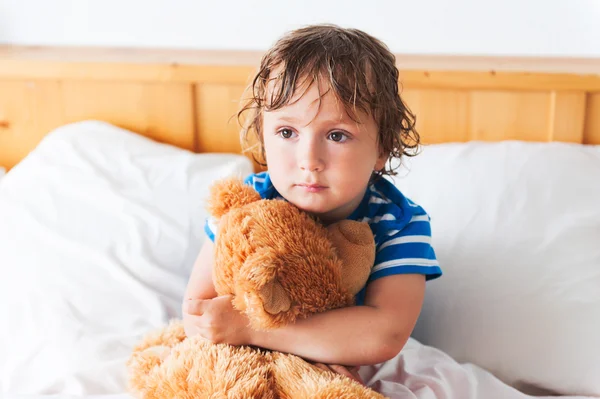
{"type": "Point", "coordinates": [187, 98]}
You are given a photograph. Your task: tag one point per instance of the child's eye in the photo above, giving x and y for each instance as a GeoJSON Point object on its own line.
{"type": "Point", "coordinates": [338, 137]}
{"type": "Point", "coordinates": [286, 133]}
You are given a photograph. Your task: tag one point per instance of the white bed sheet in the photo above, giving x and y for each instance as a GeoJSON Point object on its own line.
{"type": "Point", "coordinates": [418, 372]}
{"type": "Point", "coordinates": [424, 372]}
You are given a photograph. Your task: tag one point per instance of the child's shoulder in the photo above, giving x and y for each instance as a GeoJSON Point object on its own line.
{"type": "Point", "coordinates": [391, 194]}
{"type": "Point", "coordinates": [261, 182]}
{"type": "Point", "coordinates": [386, 208]}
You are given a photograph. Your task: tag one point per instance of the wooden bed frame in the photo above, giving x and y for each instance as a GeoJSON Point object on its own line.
{"type": "Point", "coordinates": [188, 98]}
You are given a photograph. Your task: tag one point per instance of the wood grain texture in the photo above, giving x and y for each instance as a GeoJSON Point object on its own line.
{"type": "Point", "coordinates": [28, 111]}
{"type": "Point", "coordinates": [566, 116]}
{"type": "Point", "coordinates": [216, 117]}
{"type": "Point", "coordinates": [591, 129]}
{"type": "Point", "coordinates": [490, 115]}
{"type": "Point", "coordinates": [189, 98]}
{"type": "Point", "coordinates": [163, 112]}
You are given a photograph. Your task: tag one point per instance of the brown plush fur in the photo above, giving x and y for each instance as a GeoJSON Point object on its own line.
{"type": "Point", "coordinates": [279, 264]}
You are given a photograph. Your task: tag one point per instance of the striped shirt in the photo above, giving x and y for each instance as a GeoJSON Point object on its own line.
{"type": "Point", "coordinates": [400, 227]}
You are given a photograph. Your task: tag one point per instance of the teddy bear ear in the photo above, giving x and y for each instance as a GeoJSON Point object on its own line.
{"type": "Point", "coordinates": [229, 194]}
{"type": "Point", "coordinates": [355, 246]}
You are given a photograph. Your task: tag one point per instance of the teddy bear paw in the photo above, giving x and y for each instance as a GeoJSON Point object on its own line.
{"type": "Point", "coordinates": [274, 298]}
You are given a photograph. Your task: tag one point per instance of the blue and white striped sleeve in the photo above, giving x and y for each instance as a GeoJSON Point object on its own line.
{"type": "Point", "coordinates": [407, 251]}
{"type": "Point", "coordinates": [210, 227]}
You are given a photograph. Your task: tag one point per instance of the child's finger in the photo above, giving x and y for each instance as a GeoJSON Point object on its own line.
{"type": "Point", "coordinates": [196, 306]}
{"type": "Point", "coordinates": [333, 368]}
{"type": "Point", "coordinates": [322, 366]}
{"type": "Point", "coordinates": [351, 373]}
{"type": "Point", "coordinates": [340, 370]}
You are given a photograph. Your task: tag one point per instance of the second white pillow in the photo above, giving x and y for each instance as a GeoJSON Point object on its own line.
{"type": "Point", "coordinates": [516, 227]}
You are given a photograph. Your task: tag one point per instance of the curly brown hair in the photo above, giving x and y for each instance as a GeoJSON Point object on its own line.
{"type": "Point", "coordinates": [359, 69]}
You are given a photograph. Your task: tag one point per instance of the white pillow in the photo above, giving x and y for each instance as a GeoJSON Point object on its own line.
{"type": "Point", "coordinates": [100, 228]}
{"type": "Point", "coordinates": [2, 173]}
{"type": "Point", "coordinates": [516, 227]}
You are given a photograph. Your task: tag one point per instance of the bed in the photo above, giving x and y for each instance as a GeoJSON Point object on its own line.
{"type": "Point", "coordinates": [109, 154]}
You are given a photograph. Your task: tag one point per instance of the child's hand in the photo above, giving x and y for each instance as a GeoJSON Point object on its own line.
{"type": "Point", "coordinates": [216, 320]}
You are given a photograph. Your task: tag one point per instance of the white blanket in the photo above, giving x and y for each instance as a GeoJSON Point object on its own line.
{"type": "Point", "coordinates": [418, 372]}
{"type": "Point", "coordinates": [423, 372]}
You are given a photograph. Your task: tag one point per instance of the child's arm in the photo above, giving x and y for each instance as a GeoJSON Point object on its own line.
{"type": "Point", "coordinates": [200, 285]}
{"type": "Point", "coordinates": [356, 335]}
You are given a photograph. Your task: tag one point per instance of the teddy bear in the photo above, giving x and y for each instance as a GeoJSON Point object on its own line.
{"type": "Point", "coordinates": [279, 264]}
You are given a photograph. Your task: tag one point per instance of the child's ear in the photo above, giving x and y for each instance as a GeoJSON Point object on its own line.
{"type": "Point", "coordinates": [380, 164]}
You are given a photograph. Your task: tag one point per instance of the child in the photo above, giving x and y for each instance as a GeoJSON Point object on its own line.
{"type": "Point", "coordinates": [327, 114]}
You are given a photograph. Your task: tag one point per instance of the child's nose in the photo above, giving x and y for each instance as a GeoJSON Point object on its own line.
{"type": "Point", "coordinates": [311, 164]}
{"type": "Point", "coordinates": [310, 158]}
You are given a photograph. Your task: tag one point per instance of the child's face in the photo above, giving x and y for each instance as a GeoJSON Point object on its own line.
{"type": "Point", "coordinates": [320, 159]}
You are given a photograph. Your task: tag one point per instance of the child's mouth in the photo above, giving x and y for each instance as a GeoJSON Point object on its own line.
{"type": "Point", "coordinates": [311, 188]}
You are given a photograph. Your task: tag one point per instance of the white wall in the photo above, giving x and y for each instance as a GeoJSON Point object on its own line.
{"type": "Point", "coordinates": [482, 27]}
